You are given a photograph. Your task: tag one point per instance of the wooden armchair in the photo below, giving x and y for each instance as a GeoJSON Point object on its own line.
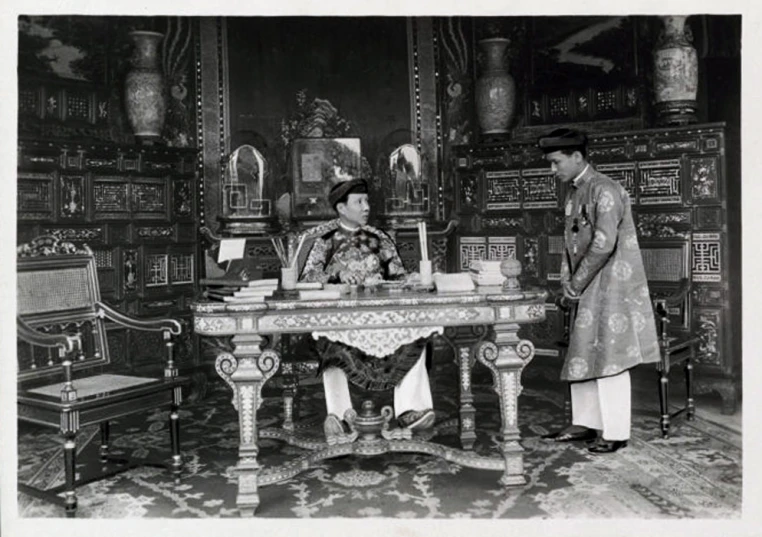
{"type": "Point", "coordinates": [62, 336]}
{"type": "Point", "coordinates": [676, 348]}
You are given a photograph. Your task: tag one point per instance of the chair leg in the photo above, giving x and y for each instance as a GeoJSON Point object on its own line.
{"type": "Point", "coordinates": [70, 470]}
{"type": "Point", "coordinates": [105, 433]}
{"type": "Point", "coordinates": [567, 403]}
{"type": "Point", "coordinates": [689, 403]}
{"type": "Point", "coordinates": [467, 409]}
{"type": "Point", "coordinates": [289, 395]}
{"type": "Point", "coordinates": [296, 407]}
{"type": "Point", "coordinates": [174, 435]}
{"type": "Point", "coordinates": [664, 401]}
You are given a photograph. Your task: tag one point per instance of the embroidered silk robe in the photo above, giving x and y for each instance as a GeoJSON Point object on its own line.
{"type": "Point", "coordinates": [371, 254]}
{"type": "Point", "coordinates": [614, 328]}
{"type": "Point", "coordinates": [366, 251]}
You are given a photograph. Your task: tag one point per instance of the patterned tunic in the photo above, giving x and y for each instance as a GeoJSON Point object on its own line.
{"type": "Point", "coordinates": [366, 251]}
{"type": "Point", "coordinates": [371, 254]}
{"type": "Point", "coordinates": [614, 328]}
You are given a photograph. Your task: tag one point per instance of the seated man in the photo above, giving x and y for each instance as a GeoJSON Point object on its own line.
{"type": "Point", "coordinates": [352, 252]}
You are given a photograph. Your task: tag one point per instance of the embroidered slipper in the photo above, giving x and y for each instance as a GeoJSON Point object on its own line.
{"type": "Point", "coordinates": [417, 420]}
{"type": "Point", "coordinates": [333, 427]}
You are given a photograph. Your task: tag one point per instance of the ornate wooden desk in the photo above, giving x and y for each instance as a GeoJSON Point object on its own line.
{"type": "Point", "coordinates": [249, 366]}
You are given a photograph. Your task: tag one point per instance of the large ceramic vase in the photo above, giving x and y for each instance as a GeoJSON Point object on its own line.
{"type": "Point", "coordinates": [495, 88]}
{"type": "Point", "coordinates": [675, 74]}
{"type": "Point", "coordinates": [144, 91]}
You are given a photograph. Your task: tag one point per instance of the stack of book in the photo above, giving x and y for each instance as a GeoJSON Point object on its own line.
{"type": "Point", "coordinates": [486, 272]}
{"type": "Point", "coordinates": [238, 291]}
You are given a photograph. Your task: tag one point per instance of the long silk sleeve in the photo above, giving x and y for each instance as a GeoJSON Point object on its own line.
{"type": "Point", "coordinates": [609, 210]}
{"type": "Point", "coordinates": [314, 267]}
{"type": "Point", "coordinates": [395, 270]}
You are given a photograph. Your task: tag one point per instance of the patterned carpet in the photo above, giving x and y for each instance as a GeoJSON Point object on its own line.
{"type": "Point", "coordinates": [694, 474]}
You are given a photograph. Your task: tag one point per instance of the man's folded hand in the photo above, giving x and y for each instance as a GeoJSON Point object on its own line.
{"type": "Point", "coordinates": [569, 294]}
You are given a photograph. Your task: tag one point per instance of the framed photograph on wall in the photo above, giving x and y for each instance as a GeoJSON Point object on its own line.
{"type": "Point", "coordinates": [318, 164]}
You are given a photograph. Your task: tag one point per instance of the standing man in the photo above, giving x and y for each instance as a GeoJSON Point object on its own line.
{"type": "Point", "coordinates": [602, 272]}
{"type": "Point", "coordinates": [350, 251]}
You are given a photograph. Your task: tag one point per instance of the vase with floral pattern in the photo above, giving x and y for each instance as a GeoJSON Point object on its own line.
{"type": "Point", "coordinates": [675, 73]}
{"type": "Point", "coordinates": [495, 88]}
{"type": "Point", "coordinates": [144, 91]}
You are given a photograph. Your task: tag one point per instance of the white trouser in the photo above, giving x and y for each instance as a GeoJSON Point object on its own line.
{"type": "Point", "coordinates": [603, 404]}
{"type": "Point", "coordinates": [412, 393]}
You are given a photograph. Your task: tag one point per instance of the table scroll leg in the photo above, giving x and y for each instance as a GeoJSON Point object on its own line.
{"type": "Point", "coordinates": [250, 369]}
{"type": "Point", "coordinates": [467, 410]}
{"type": "Point", "coordinates": [506, 358]}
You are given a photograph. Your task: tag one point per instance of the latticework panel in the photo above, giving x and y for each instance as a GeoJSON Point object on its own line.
{"type": "Point", "coordinates": [43, 291]}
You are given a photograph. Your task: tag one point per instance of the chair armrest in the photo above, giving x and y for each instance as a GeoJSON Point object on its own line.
{"type": "Point", "coordinates": [64, 342]}
{"type": "Point", "coordinates": [679, 295]}
{"type": "Point", "coordinates": [210, 236]}
{"type": "Point", "coordinates": [154, 325]}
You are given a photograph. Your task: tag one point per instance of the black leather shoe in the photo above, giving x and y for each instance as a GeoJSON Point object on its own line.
{"type": "Point", "coordinates": [607, 446]}
{"type": "Point", "coordinates": [563, 436]}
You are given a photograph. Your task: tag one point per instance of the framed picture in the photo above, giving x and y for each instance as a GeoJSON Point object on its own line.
{"type": "Point", "coordinates": [583, 51]}
{"type": "Point", "coordinates": [583, 68]}
{"type": "Point", "coordinates": [317, 165]}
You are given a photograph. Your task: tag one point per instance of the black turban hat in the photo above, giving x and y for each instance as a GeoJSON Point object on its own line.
{"type": "Point", "coordinates": [561, 139]}
{"type": "Point", "coordinates": [352, 186]}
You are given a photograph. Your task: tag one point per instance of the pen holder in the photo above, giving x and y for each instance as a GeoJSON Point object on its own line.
{"type": "Point", "coordinates": [288, 278]}
{"type": "Point", "coordinates": [425, 272]}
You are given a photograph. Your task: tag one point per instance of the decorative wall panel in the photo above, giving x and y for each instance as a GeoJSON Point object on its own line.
{"type": "Point", "coordinates": [182, 269]}
{"type": "Point", "coordinates": [499, 248]}
{"type": "Point", "coordinates": [624, 173]}
{"type": "Point", "coordinates": [471, 249]}
{"type": "Point", "coordinates": [34, 199]}
{"type": "Point", "coordinates": [72, 196]}
{"type": "Point", "coordinates": [659, 182]}
{"type": "Point", "coordinates": [503, 190]}
{"type": "Point", "coordinates": [707, 257]}
{"type": "Point", "coordinates": [149, 200]}
{"type": "Point", "coordinates": [704, 179]}
{"type": "Point", "coordinates": [156, 270]}
{"type": "Point", "coordinates": [540, 189]}
{"type": "Point", "coordinates": [111, 197]}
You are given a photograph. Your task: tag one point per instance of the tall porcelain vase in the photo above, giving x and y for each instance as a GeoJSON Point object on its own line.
{"type": "Point", "coordinates": [675, 74]}
{"type": "Point", "coordinates": [495, 88]}
{"type": "Point", "coordinates": [144, 91]}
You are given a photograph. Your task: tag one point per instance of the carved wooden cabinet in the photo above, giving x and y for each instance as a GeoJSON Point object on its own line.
{"type": "Point", "coordinates": [686, 202]}
{"type": "Point", "coordinates": [136, 208]}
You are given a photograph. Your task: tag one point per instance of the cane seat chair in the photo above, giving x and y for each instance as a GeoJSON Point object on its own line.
{"type": "Point", "coordinates": [63, 356]}
{"type": "Point", "coordinates": [676, 348]}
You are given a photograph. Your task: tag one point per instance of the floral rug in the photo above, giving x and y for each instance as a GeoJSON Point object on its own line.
{"type": "Point", "coordinates": [696, 473]}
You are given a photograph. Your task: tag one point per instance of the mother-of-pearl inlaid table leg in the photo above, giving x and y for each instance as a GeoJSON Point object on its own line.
{"type": "Point", "coordinates": [506, 358]}
{"type": "Point", "coordinates": [464, 342]}
{"type": "Point", "coordinates": [246, 370]}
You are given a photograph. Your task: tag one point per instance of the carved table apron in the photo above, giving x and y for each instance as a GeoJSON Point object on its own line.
{"type": "Point", "coordinates": [249, 366]}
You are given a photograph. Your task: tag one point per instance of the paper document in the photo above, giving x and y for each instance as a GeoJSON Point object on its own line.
{"type": "Point", "coordinates": [231, 249]}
